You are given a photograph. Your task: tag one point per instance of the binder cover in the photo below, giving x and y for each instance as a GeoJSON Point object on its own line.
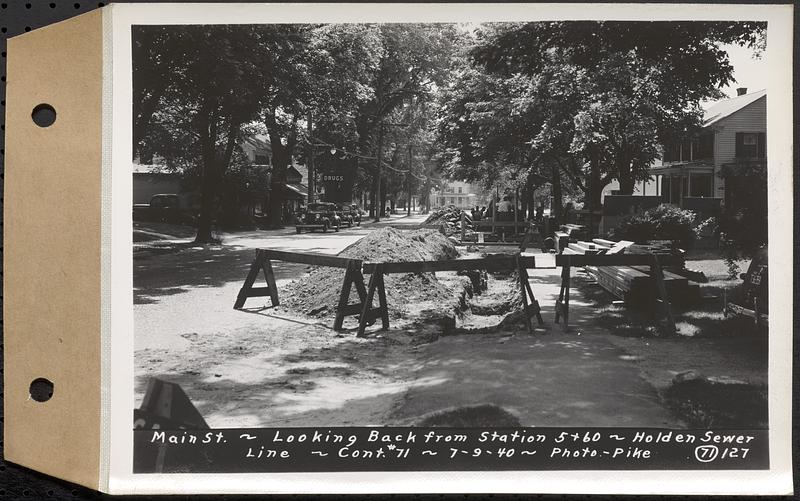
{"type": "Point", "coordinates": [79, 407]}
{"type": "Point", "coordinates": [52, 249]}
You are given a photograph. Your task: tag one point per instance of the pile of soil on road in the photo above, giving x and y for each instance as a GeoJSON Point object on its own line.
{"type": "Point", "coordinates": [317, 294]}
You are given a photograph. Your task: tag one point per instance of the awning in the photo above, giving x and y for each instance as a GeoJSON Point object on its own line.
{"type": "Point", "coordinates": [295, 191]}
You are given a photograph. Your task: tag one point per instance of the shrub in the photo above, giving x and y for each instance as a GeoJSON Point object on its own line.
{"type": "Point", "coordinates": [665, 222]}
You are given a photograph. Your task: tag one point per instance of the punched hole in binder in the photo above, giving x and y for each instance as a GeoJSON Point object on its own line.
{"type": "Point", "coordinates": [41, 389]}
{"type": "Point", "coordinates": [43, 115]}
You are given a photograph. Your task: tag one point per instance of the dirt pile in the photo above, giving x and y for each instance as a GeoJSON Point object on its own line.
{"type": "Point", "coordinates": [450, 216]}
{"type": "Point", "coordinates": [317, 294]}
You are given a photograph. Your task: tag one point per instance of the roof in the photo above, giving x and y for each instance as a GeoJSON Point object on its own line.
{"type": "Point", "coordinates": [258, 142]}
{"type": "Point", "coordinates": [150, 169]}
{"type": "Point", "coordinates": [300, 168]}
{"type": "Point", "coordinates": [727, 107]}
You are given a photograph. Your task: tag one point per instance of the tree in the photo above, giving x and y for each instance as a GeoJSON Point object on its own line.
{"type": "Point", "coordinates": [218, 76]}
{"type": "Point", "coordinates": [636, 83]}
{"type": "Point", "coordinates": [415, 60]}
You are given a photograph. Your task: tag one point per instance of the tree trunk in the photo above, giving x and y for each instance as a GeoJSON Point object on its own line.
{"type": "Point", "coordinates": [208, 191]}
{"type": "Point", "coordinates": [312, 189]}
{"type": "Point", "coordinates": [625, 176]}
{"type": "Point", "coordinates": [556, 208]}
{"type": "Point", "coordinates": [377, 181]}
{"type": "Point", "coordinates": [408, 182]}
{"type": "Point", "coordinates": [277, 182]}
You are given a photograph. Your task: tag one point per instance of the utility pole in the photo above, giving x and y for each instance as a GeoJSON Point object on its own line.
{"type": "Point", "coordinates": [311, 187]}
{"type": "Point", "coordinates": [378, 175]}
{"type": "Point", "coordinates": [590, 190]}
{"type": "Point", "coordinates": [408, 183]}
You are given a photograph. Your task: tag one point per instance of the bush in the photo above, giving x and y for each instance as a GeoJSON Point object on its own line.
{"type": "Point", "coordinates": [665, 222]}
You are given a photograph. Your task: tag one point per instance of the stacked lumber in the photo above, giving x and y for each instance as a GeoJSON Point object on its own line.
{"type": "Point", "coordinates": [633, 284]}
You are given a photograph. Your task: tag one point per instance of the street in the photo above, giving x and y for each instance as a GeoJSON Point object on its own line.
{"type": "Point", "coordinates": [265, 367]}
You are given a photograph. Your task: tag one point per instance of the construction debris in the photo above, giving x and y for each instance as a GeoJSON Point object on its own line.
{"type": "Point", "coordinates": [450, 216]}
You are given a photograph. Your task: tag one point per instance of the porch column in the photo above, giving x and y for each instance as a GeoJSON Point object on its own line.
{"type": "Point", "coordinates": [669, 188]}
{"type": "Point", "coordinates": [689, 185]}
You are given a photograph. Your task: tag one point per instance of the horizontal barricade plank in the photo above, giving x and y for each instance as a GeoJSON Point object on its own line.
{"type": "Point", "coordinates": [309, 258]}
{"type": "Point", "coordinates": [493, 263]}
{"type": "Point", "coordinates": [614, 260]}
{"type": "Point", "coordinates": [504, 224]}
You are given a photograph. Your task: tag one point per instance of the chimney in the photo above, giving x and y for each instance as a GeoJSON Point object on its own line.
{"type": "Point", "coordinates": [741, 91]}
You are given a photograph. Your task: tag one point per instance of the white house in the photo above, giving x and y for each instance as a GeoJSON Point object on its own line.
{"type": "Point", "coordinates": [734, 132]}
{"type": "Point", "coordinates": [459, 193]}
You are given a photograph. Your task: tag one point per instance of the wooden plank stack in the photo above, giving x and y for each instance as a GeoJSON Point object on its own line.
{"type": "Point", "coordinates": [633, 284]}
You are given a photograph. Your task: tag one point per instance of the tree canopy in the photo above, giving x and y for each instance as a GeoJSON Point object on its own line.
{"type": "Point", "coordinates": [596, 98]}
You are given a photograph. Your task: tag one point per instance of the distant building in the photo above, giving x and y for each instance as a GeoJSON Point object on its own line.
{"type": "Point", "coordinates": [459, 193]}
{"type": "Point", "coordinates": [149, 180]}
{"type": "Point", "coordinates": [154, 179]}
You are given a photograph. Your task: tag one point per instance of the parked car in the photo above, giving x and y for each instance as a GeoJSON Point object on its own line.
{"type": "Point", "coordinates": [349, 217]}
{"type": "Point", "coordinates": [751, 298]}
{"type": "Point", "coordinates": [320, 216]}
{"type": "Point", "coordinates": [165, 208]}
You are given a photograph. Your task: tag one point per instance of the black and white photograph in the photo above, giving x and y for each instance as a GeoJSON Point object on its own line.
{"type": "Point", "coordinates": [516, 225]}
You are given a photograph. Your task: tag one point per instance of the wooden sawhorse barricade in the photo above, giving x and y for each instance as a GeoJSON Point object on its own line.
{"type": "Point", "coordinates": [354, 277]}
{"type": "Point", "coordinates": [491, 263]}
{"type": "Point", "coordinates": [567, 261]}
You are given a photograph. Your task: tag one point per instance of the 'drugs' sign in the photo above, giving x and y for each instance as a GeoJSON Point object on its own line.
{"type": "Point", "coordinates": [338, 184]}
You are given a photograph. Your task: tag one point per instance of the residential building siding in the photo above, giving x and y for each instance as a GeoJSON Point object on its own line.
{"type": "Point", "coordinates": [751, 118]}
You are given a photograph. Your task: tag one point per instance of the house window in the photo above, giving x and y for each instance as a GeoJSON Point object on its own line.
{"type": "Point", "coordinates": [751, 145]}
{"type": "Point", "coordinates": [459, 189]}
{"type": "Point", "coordinates": [705, 148]}
{"type": "Point", "coordinates": [262, 160]}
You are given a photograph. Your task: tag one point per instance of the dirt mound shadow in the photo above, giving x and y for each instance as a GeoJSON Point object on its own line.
{"type": "Point", "coordinates": [472, 416]}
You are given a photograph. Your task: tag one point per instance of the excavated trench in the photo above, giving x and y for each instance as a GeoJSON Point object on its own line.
{"type": "Point", "coordinates": [483, 303]}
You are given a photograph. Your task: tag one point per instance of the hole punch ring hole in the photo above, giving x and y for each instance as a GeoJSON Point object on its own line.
{"type": "Point", "coordinates": [41, 389]}
{"type": "Point", "coordinates": [43, 115]}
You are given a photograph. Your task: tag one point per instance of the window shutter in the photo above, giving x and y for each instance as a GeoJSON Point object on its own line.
{"type": "Point", "coordinates": [739, 144]}
{"type": "Point", "coordinates": [762, 145]}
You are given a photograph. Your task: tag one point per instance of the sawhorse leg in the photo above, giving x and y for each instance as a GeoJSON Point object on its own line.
{"type": "Point", "coordinates": [562, 303]}
{"type": "Point", "coordinates": [260, 263]}
{"type": "Point", "coordinates": [529, 303]}
{"type": "Point", "coordinates": [352, 275]}
{"type": "Point", "coordinates": [367, 312]}
{"type": "Point", "coordinates": [658, 275]}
